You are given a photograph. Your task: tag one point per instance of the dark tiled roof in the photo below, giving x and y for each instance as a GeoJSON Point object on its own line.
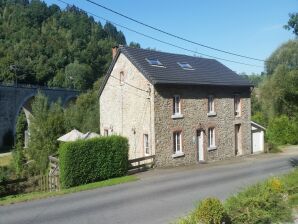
{"type": "Point", "coordinates": [205, 71]}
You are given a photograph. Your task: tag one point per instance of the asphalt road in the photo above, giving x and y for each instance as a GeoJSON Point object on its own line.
{"type": "Point", "coordinates": [160, 196]}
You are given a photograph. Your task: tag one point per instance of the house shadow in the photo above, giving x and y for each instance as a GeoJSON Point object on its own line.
{"type": "Point", "coordinates": [293, 162]}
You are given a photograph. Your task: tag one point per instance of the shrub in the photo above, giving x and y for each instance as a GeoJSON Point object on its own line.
{"type": "Point", "coordinates": [260, 203]}
{"type": "Point", "coordinates": [210, 211]}
{"type": "Point", "coordinates": [281, 130]}
{"type": "Point", "coordinates": [86, 161]}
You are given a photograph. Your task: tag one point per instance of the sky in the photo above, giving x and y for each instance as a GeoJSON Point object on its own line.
{"type": "Point", "coordinates": [252, 28]}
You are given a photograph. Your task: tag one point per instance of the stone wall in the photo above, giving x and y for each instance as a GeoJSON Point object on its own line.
{"type": "Point", "coordinates": [194, 109]}
{"type": "Point", "coordinates": [126, 108]}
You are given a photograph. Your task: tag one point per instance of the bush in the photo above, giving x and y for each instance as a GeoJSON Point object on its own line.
{"type": "Point", "coordinates": [210, 211]}
{"type": "Point", "coordinates": [87, 161]}
{"type": "Point", "coordinates": [281, 130]}
{"type": "Point", "coordinates": [261, 203]}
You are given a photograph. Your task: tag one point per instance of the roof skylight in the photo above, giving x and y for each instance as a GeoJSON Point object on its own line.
{"type": "Point", "coordinates": [154, 62]}
{"type": "Point", "coordinates": [185, 65]}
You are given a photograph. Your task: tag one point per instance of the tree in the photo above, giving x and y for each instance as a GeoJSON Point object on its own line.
{"type": "Point", "coordinates": [46, 43]}
{"type": "Point", "coordinates": [46, 125]}
{"type": "Point", "coordinates": [134, 44]}
{"type": "Point", "coordinates": [293, 23]}
{"type": "Point", "coordinates": [84, 113]}
{"type": "Point", "coordinates": [285, 55]}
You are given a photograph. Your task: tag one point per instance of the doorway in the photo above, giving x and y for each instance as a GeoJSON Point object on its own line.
{"type": "Point", "coordinates": [200, 145]}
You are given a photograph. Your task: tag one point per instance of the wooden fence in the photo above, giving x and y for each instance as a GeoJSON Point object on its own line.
{"type": "Point", "coordinates": [140, 164]}
{"type": "Point", "coordinates": [32, 184]}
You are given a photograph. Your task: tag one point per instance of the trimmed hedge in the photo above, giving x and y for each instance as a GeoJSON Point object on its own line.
{"type": "Point", "coordinates": [87, 161]}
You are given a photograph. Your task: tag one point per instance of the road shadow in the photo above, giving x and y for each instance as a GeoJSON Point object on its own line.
{"type": "Point", "coordinates": [293, 162]}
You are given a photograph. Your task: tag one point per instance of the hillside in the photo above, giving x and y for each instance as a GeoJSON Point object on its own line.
{"type": "Point", "coordinates": [45, 45]}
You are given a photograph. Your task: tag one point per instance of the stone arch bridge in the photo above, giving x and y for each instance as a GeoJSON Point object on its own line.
{"type": "Point", "coordinates": [14, 98]}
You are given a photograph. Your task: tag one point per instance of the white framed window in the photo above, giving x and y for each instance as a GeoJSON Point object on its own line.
{"type": "Point", "coordinates": [185, 65]}
{"type": "Point", "coordinates": [237, 105]}
{"type": "Point", "coordinates": [211, 138]}
{"type": "Point", "coordinates": [154, 62]}
{"type": "Point", "coordinates": [146, 144]}
{"type": "Point", "coordinates": [177, 141]}
{"type": "Point", "coordinates": [176, 105]}
{"type": "Point", "coordinates": [106, 132]}
{"type": "Point", "coordinates": [210, 104]}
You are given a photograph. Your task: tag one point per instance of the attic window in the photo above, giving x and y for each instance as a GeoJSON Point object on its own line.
{"type": "Point", "coordinates": [185, 65]}
{"type": "Point", "coordinates": [154, 62]}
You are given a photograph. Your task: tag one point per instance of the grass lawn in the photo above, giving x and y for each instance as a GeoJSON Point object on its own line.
{"type": "Point", "coordinates": [39, 195]}
{"type": "Point", "coordinates": [5, 160]}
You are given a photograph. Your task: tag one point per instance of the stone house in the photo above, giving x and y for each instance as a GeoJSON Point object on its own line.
{"type": "Point", "coordinates": [182, 109]}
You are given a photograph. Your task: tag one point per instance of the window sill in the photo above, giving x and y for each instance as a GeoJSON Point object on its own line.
{"type": "Point", "coordinates": [177, 116]}
{"type": "Point", "coordinates": [211, 148]}
{"type": "Point", "coordinates": [211, 114]}
{"type": "Point", "coordinates": [179, 154]}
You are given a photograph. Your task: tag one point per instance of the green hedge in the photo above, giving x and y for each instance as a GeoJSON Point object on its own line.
{"type": "Point", "coordinates": [282, 130]}
{"type": "Point", "coordinates": [86, 161]}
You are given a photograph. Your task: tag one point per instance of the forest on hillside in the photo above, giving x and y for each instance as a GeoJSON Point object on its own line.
{"type": "Point", "coordinates": [45, 45]}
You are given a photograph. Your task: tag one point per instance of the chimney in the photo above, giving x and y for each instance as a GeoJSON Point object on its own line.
{"type": "Point", "coordinates": [114, 51]}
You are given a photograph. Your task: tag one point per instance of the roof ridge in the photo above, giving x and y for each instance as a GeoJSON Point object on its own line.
{"type": "Point", "coordinates": [167, 53]}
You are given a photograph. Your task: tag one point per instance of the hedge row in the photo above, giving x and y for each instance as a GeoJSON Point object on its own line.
{"type": "Point", "coordinates": [87, 161]}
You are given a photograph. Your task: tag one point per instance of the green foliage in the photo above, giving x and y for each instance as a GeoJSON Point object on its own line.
{"type": "Point", "coordinates": [293, 23]}
{"type": "Point", "coordinates": [285, 55]}
{"type": "Point", "coordinates": [3, 177]}
{"type": "Point", "coordinates": [21, 127]}
{"type": "Point", "coordinates": [45, 127]}
{"type": "Point", "coordinates": [211, 211]}
{"type": "Point", "coordinates": [282, 130]}
{"type": "Point", "coordinates": [254, 79]}
{"type": "Point", "coordinates": [259, 118]}
{"type": "Point", "coordinates": [47, 45]}
{"type": "Point", "coordinates": [84, 113]}
{"type": "Point", "coordinates": [87, 161]}
{"type": "Point", "coordinates": [260, 203]}
{"type": "Point", "coordinates": [134, 44]}
{"type": "Point", "coordinates": [267, 202]}
{"type": "Point", "coordinates": [18, 160]}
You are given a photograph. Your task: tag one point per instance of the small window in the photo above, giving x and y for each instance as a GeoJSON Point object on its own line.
{"type": "Point", "coordinates": [176, 105]}
{"type": "Point", "coordinates": [210, 104]}
{"type": "Point", "coordinates": [121, 78]}
{"type": "Point", "coordinates": [106, 132]}
{"type": "Point", "coordinates": [146, 144]}
{"type": "Point", "coordinates": [211, 138]}
{"type": "Point", "coordinates": [237, 108]}
{"type": "Point", "coordinates": [154, 61]}
{"type": "Point", "coordinates": [185, 65]}
{"type": "Point", "coordinates": [177, 142]}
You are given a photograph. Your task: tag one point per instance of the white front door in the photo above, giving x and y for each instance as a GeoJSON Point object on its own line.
{"type": "Point", "coordinates": [200, 140]}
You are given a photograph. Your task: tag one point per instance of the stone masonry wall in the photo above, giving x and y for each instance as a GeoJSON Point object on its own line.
{"type": "Point", "coordinates": [127, 108]}
{"type": "Point", "coordinates": [194, 109]}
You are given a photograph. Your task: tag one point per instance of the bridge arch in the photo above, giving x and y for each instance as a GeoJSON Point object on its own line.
{"type": "Point", "coordinates": [22, 97]}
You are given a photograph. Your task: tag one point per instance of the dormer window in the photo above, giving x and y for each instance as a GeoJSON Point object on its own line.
{"type": "Point", "coordinates": [185, 65]}
{"type": "Point", "coordinates": [154, 62]}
